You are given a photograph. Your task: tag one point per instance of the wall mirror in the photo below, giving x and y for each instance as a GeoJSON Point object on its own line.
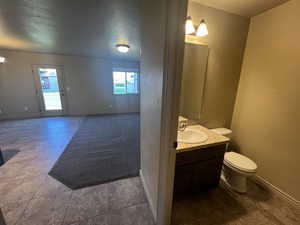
{"type": "Point", "coordinates": [193, 80]}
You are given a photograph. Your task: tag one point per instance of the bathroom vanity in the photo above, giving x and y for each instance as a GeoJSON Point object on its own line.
{"type": "Point", "coordinates": [199, 165]}
{"type": "Point", "coordinates": [200, 151]}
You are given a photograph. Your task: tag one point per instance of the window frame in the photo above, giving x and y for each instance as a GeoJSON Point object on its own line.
{"type": "Point", "coordinates": [126, 70]}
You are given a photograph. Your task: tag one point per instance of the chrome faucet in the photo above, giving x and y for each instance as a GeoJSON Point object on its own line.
{"type": "Point", "coordinates": [182, 125]}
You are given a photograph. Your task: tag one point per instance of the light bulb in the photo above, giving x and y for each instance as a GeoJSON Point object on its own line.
{"type": "Point", "coordinates": [189, 26]}
{"type": "Point", "coordinates": [123, 48]}
{"type": "Point", "coordinates": [2, 59]}
{"type": "Point", "coordinates": [202, 29]}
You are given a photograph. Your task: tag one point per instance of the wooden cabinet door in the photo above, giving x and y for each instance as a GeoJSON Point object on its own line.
{"type": "Point", "coordinates": [183, 178]}
{"type": "Point", "coordinates": [199, 169]}
{"type": "Point", "coordinates": [207, 174]}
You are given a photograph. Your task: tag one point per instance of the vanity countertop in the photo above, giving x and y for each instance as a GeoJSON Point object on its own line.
{"type": "Point", "coordinates": [213, 140]}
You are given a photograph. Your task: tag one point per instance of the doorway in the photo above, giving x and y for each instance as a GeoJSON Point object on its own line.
{"type": "Point", "coordinates": [50, 89]}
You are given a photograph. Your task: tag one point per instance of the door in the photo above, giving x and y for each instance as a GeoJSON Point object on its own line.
{"type": "Point", "coordinates": [50, 89]}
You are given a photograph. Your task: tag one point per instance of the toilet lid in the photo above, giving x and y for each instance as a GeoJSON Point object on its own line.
{"type": "Point", "coordinates": [240, 162]}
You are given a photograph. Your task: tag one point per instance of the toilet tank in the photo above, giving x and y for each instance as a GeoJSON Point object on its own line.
{"type": "Point", "coordinates": [223, 131]}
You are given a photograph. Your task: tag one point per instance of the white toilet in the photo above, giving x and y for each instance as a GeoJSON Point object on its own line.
{"type": "Point", "coordinates": [236, 167]}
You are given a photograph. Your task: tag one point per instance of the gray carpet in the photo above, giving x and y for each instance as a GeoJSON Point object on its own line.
{"type": "Point", "coordinates": [105, 148]}
{"type": "Point", "coordinates": [2, 221]}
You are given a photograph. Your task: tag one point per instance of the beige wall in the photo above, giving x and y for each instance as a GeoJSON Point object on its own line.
{"type": "Point", "coordinates": [266, 120]}
{"type": "Point", "coordinates": [88, 84]}
{"type": "Point", "coordinates": [226, 42]}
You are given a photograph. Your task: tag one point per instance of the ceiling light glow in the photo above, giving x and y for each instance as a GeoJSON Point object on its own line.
{"type": "Point", "coordinates": [123, 48]}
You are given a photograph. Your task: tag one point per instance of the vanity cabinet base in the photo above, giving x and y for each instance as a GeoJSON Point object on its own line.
{"type": "Point", "coordinates": [198, 170]}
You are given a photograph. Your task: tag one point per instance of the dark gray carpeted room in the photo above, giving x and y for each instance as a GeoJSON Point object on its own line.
{"type": "Point", "coordinates": [70, 113]}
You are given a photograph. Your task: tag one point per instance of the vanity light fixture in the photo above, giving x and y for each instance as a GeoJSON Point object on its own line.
{"type": "Point", "coordinates": [189, 26]}
{"type": "Point", "coordinates": [123, 48]}
{"type": "Point", "coordinates": [2, 59]}
{"type": "Point", "coordinates": [202, 29]}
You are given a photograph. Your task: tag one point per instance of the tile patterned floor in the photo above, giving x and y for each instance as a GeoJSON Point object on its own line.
{"type": "Point", "coordinates": [29, 196]}
{"type": "Point", "coordinates": [221, 206]}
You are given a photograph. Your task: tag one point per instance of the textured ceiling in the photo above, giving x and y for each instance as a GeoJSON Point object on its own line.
{"type": "Point", "coordinates": [246, 8]}
{"type": "Point", "coordinates": [73, 27]}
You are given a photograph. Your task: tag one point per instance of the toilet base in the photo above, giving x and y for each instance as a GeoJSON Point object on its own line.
{"type": "Point", "coordinates": [235, 180]}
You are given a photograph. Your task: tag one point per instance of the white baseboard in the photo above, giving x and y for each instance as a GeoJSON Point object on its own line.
{"type": "Point", "coordinates": [148, 195]}
{"type": "Point", "coordinates": [277, 191]}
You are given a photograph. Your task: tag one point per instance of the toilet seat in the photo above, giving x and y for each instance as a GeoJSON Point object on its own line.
{"type": "Point", "coordinates": [240, 162]}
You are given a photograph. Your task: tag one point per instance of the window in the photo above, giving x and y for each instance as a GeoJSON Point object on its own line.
{"type": "Point", "coordinates": [125, 82]}
{"type": "Point", "coordinates": [50, 88]}
{"type": "Point", "coordinates": [45, 83]}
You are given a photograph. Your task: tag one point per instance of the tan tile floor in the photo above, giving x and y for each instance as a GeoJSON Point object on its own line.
{"type": "Point", "coordinates": [222, 206]}
{"type": "Point", "coordinates": [29, 196]}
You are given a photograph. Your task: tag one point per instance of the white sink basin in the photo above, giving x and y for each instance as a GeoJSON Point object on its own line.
{"type": "Point", "coordinates": [191, 136]}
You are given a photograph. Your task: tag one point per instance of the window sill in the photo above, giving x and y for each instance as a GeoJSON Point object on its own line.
{"type": "Point", "coordinates": [125, 94]}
